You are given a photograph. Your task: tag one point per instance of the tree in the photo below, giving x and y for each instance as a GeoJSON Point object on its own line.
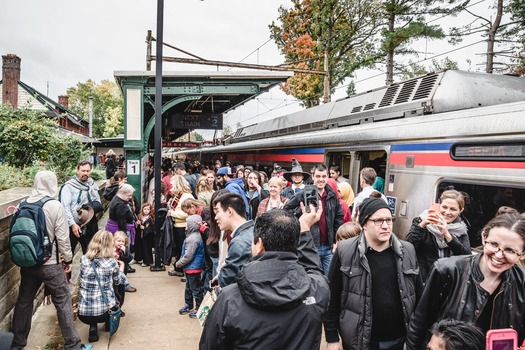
{"type": "Point", "coordinates": [28, 137]}
{"type": "Point", "coordinates": [504, 29]}
{"type": "Point", "coordinates": [107, 106]}
{"type": "Point", "coordinates": [226, 130]}
{"type": "Point", "coordinates": [335, 36]}
{"type": "Point", "coordinates": [406, 21]}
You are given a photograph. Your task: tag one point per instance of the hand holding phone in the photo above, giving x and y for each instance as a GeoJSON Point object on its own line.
{"type": "Point", "coordinates": [433, 213]}
{"type": "Point", "coordinates": [310, 197]}
{"type": "Point", "coordinates": [502, 339]}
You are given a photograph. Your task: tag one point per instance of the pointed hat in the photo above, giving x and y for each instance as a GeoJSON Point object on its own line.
{"type": "Point", "coordinates": [296, 169]}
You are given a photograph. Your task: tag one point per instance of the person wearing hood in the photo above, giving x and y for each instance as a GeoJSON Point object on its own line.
{"type": "Point", "coordinates": [192, 262]}
{"type": "Point", "coordinates": [80, 190]}
{"type": "Point", "coordinates": [235, 185]}
{"type": "Point", "coordinates": [51, 273]}
{"type": "Point", "coordinates": [280, 297]}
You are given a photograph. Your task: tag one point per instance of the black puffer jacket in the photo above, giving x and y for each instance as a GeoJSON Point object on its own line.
{"type": "Point", "coordinates": [277, 303]}
{"type": "Point", "coordinates": [332, 211]}
{"type": "Point", "coordinates": [453, 291]}
{"type": "Point", "coordinates": [350, 311]}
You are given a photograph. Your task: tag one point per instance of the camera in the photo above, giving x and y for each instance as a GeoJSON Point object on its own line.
{"type": "Point", "coordinates": [310, 196]}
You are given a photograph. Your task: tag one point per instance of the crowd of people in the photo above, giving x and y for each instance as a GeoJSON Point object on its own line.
{"type": "Point", "coordinates": [283, 267]}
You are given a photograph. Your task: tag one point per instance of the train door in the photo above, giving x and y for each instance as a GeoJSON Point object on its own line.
{"type": "Point", "coordinates": [340, 159]}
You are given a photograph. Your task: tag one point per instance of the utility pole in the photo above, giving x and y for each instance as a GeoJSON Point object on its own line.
{"type": "Point", "coordinates": [90, 98]}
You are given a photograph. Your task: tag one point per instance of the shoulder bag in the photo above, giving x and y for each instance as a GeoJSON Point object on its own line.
{"type": "Point", "coordinates": [114, 312]}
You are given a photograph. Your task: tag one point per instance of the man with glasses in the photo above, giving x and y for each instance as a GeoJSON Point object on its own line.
{"type": "Point", "coordinates": [374, 277]}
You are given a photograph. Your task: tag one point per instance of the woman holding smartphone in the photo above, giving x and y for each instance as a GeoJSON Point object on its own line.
{"type": "Point", "coordinates": [485, 289]}
{"type": "Point", "coordinates": [439, 232]}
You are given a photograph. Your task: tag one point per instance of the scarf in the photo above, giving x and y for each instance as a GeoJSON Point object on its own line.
{"type": "Point", "coordinates": [73, 182]}
{"type": "Point", "coordinates": [457, 228]}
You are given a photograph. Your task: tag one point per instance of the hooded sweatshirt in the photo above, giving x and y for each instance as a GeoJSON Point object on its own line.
{"type": "Point", "coordinates": [45, 185]}
{"type": "Point", "coordinates": [192, 256]}
{"type": "Point", "coordinates": [278, 302]}
{"type": "Point", "coordinates": [237, 186]}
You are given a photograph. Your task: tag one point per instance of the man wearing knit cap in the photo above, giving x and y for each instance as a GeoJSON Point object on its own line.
{"type": "Point", "coordinates": [375, 278]}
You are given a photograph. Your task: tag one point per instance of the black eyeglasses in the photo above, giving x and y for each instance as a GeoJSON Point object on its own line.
{"type": "Point", "coordinates": [379, 222]}
{"type": "Point", "coordinates": [508, 253]}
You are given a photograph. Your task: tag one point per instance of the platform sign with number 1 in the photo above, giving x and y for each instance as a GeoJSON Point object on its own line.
{"type": "Point", "coordinates": [133, 167]}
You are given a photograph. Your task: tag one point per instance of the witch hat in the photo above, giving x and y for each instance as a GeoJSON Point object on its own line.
{"type": "Point", "coordinates": [296, 169]}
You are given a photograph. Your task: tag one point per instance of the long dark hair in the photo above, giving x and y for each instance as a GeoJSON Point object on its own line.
{"type": "Point", "coordinates": [215, 231]}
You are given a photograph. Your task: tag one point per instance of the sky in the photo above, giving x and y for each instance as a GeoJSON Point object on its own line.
{"type": "Point", "coordinates": [63, 42]}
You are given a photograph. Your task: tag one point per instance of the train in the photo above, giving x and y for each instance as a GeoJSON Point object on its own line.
{"type": "Point", "coordinates": [444, 130]}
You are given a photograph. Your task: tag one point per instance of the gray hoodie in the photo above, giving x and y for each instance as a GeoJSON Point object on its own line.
{"type": "Point", "coordinates": [74, 194]}
{"type": "Point", "coordinates": [56, 221]}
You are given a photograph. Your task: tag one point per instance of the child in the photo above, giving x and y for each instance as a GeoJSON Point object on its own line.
{"type": "Point", "coordinates": [192, 262]}
{"type": "Point", "coordinates": [146, 225]}
{"type": "Point", "coordinates": [345, 231]}
{"type": "Point", "coordinates": [120, 242]}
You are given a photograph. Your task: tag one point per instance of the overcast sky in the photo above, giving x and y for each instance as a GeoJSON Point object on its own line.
{"type": "Point", "coordinates": [63, 42]}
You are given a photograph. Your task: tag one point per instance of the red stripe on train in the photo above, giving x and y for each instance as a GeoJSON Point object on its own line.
{"type": "Point", "coordinates": [301, 158]}
{"type": "Point", "coordinates": [443, 159]}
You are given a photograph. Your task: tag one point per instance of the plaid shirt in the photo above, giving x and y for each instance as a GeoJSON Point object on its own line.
{"type": "Point", "coordinates": [90, 301]}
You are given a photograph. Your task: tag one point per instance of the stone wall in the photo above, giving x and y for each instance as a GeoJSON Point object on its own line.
{"type": "Point", "coordinates": [9, 272]}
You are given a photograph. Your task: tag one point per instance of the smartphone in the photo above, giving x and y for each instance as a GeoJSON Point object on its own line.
{"type": "Point", "coordinates": [434, 209]}
{"type": "Point", "coordinates": [310, 196]}
{"type": "Point", "coordinates": [502, 339]}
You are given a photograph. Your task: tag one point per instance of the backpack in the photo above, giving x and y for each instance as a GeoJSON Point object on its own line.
{"type": "Point", "coordinates": [28, 240]}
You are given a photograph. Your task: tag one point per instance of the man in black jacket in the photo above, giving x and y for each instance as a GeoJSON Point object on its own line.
{"type": "Point", "coordinates": [324, 231]}
{"type": "Point", "coordinates": [280, 296]}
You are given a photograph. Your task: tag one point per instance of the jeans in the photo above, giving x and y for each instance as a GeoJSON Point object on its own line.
{"type": "Point", "coordinates": [193, 290]}
{"type": "Point", "coordinates": [396, 344]}
{"type": "Point", "coordinates": [55, 280]}
{"type": "Point", "coordinates": [325, 253]}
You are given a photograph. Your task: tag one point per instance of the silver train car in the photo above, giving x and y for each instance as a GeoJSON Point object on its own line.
{"type": "Point", "coordinates": [446, 130]}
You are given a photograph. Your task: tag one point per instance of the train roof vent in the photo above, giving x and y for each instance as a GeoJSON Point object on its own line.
{"type": "Point", "coordinates": [356, 109]}
{"type": "Point", "coordinates": [388, 97]}
{"type": "Point", "coordinates": [369, 106]}
{"type": "Point", "coordinates": [406, 91]}
{"type": "Point", "coordinates": [425, 86]}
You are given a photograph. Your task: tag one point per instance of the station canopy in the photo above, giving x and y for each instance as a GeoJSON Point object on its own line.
{"type": "Point", "coordinates": [194, 100]}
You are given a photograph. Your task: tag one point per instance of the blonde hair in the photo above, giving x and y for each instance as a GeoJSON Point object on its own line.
{"type": "Point", "coordinates": [276, 180]}
{"type": "Point", "coordinates": [101, 245]}
{"type": "Point", "coordinates": [347, 230]}
{"type": "Point", "coordinates": [346, 192]}
{"type": "Point", "coordinates": [191, 201]}
{"type": "Point", "coordinates": [179, 184]}
{"type": "Point", "coordinates": [202, 185]}
{"type": "Point", "coordinates": [123, 235]}
{"type": "Point", "coordinates": [454, 195]}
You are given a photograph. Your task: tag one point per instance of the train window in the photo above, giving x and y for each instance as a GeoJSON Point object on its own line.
{"type": "Point", "coordinates": [340, 159]}
{"type": "Point", "coordinates": [490, 151]}
{"type": "Point", "coordinates": [482, 203]}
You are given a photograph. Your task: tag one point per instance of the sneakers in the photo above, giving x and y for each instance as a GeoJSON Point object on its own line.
{"type": "Point", "coordinates": [144, 265]}
{"type": "Point", "coordinates": [157, 269]}
{"type": "Point", "coordinates": [175, 273]}
{"type": "Point", "coordinates": [131, 289]}
{"type": "Point", "coordinates": [185, 310]}
{"type": "Point", "coordinates": [122, 313]}
{"type": "Point", "coordinates": [183, 279]}
{"type": "Point", "coordinates": [132, 262]}
{"type": "Point", "coordinates": [93, 334]}
{"type": "Point", "coordinates": [131, 270]}
{"type": "Point", "coordinates": [86, 347]}
{"type": "Point", "coordinates": [193, 314]}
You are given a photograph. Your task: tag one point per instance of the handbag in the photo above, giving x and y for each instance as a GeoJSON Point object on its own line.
{"type": "Point", "coordinates": [204, 309]}
{"type": "Point", "coordinates": [114, 312]}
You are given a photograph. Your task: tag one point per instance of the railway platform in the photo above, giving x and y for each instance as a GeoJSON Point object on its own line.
{"type": "Point", "coordinates": [152, 318]}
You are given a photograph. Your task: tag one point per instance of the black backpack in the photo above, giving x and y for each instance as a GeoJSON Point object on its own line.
{"type": "Point", "coordinates": [28, 240]}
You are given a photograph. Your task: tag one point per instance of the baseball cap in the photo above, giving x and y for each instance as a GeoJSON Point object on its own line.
{"type": "Point", "coordinates": [225, 170]}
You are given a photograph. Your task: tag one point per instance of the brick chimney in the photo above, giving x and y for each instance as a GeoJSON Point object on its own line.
{"type": "Point", "coordinates": [64, 101]}
{"type": "Point", "coordinates": [10, 78]}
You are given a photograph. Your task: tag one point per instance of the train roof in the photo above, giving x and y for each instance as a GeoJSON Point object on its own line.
{"type": "Point", "coordinates": [433, 93]}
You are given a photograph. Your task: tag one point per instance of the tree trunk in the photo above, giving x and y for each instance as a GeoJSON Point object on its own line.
{"type": "Point", "coordinates": [326, 80]}
{"type": "Point", "coordinates": [390, 52]}
{"type": "Point", "coordinates": [491, 41]}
